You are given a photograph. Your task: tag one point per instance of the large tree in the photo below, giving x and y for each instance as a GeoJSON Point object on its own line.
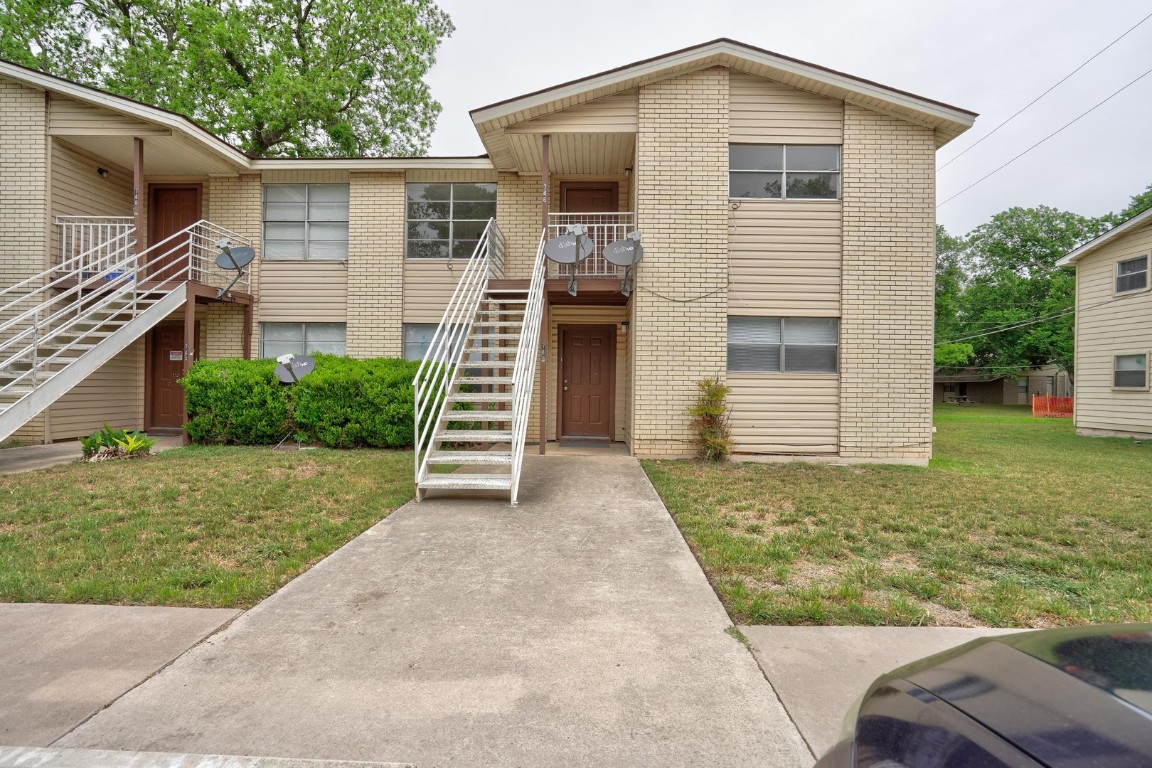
{"type": "Point", "coordinates": [276, 77]}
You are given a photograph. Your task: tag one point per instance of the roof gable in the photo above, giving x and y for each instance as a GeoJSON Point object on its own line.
{"type": "Point", "coordinates": [1134, 224]}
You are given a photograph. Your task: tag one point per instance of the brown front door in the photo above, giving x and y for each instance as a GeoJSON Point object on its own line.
{"type": "Point", "coordinates": [173, 209]}
{"type": "Point", "coordinates": [165, 367]}
{"type": "Point", "coordinates": [588, 197]}
{"type": "Point", "coordinates": [587, 380]}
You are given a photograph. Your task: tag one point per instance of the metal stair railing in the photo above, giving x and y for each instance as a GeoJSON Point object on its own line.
{"type": "Point", "coordinates": [127, 284]}
{"type": "Point", "coordinates": [524, 373]}
{"type": "Point", "coordinates": [438, 371]}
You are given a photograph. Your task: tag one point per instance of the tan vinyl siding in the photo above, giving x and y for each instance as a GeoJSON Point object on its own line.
{"type": "Point", "coordinates": [784, 258]}
{"type": "Point", "coordinates": [763, 111]}
{"type": "Point", "coordinates": [68, 117]}
{"type": "Point", "coordinates": [784, 414]}
{"type": "Point", "coordinates": [428, 285]}
{"type": "Point", "coordinates": [114, 394]}
{"type": "Point", "coordinates": [611, 114]}
{"type": "Point", "coordinates": [303, 291]}
{"type": "Point", "coordinates": [79, 190]}
{"type": "Point", "coordinates": [1107, 325]}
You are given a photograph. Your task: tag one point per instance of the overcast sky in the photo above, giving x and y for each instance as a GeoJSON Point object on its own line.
{"type": "Point", "coordinates": [991, 57]}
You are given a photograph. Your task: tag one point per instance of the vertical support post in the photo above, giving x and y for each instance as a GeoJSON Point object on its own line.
{"type": "Point", "coordinates": [247, 332]}
{"type": "Point", "coordinates": [545, 141]}
{"type": "Point", "coordinates": [189, 348]}
{"type": "Point", "coordinates": [545, 323]}
{"type": "Point", "coordinates": [138, 191]}
{"type": "Point", "coordinates": [545, 337]}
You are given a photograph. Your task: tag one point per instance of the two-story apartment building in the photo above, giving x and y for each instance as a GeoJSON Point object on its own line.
{"type": "Point", "coordinates": [1113, 332]}
{"type": "Point", "coordinates": [787, 220]}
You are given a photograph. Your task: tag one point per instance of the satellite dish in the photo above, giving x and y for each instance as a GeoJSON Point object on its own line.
{"type": "Point", "coordinates": [292, 368]}
{"type": "Point", "coordinates": [625, 253]}
{"type": "Point", "coordinates": [233, 258]}
{"type": "Point", "coordinates": [569, 249]}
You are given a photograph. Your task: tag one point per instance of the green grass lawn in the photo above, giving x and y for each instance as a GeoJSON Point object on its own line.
{"type": "Point", "coordinates": [196, 526]}
{"type": "Point", "coordinates": [1017, 523]}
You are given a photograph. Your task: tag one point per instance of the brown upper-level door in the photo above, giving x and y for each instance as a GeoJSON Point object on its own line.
{"type": "Point", "coordinates": [589, 198]}
{"type": "Point", "coordinates": [173, 209]}
{"type": "Point", "coordinates": [587, 373]}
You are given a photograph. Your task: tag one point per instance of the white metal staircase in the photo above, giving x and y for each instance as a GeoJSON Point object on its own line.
{"type": "Point", "coordinates": [59, 326]}
{"type": "Point", "coordinates": [473, 389]}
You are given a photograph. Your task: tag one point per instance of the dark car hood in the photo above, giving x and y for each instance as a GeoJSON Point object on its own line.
{"type": "Point", "coordinates": [1070, 697]}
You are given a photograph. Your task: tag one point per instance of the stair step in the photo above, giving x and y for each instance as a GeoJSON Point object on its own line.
{"type": "Point", "coordinates": [481, 397]}
{"type": "Point", "coordinates": [504, 300]}
{"type": "Point", "coordinates": [467, 482]}
{"type": "Point", "coordinates": [494, 336]}
{"type": "Point", "coordinates": [480, 364]}
{"type": "Point", "coordinates": [484, 380]}
{"type": "Point", "coordinates": [470, 457]}
{"type": "Point", "coordinates": [476, 435]}
{"type": "Point", "coordinates": [479, 415]}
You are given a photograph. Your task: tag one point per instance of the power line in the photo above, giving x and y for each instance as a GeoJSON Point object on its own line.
{"type": "Point", "coordinates": [1054, 87]}
{"type": "Point", "coordinates": [1014, 326]}
{"type": "Point", "coordinates": [1049, 136]}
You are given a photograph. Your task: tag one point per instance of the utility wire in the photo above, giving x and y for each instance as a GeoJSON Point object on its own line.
{"type": "Point", "coordinates": [1014, 326]}
{"type": "Point", "coordinates": [1049, 136]}
{"type": "Point", "coordinates": [1054, 87]}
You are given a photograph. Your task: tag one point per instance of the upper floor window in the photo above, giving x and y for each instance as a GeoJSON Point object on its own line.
{"type": "Point", "coordinates": [302, 338]}
{"type": "Point", "coordinates": [448, 218]}
{"type": "Point", "coordinates": [1130, 371]}
{"type": "Point", "coordinates": [306, 221]}
{"type": "Point", "coordinates": [1132, 274]}
{"type": "Point", "coordinates": [784, 171]}
{"type": "Point", "coordinates": [783, 344]}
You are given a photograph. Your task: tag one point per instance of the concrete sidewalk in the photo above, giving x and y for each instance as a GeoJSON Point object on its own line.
{"type": "Point", "coordinates": [575, 629]}
{"type": "Point", "coordinates": [60, 664]}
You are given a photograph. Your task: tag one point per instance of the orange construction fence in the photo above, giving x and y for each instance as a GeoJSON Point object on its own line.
{"type": "Point", "coordinates": [1054, 407]}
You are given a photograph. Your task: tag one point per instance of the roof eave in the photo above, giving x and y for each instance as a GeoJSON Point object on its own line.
{"type": "Point", "coordinates": [373, 164]}
{"type": "Point", "coordinates": [1092, 245]}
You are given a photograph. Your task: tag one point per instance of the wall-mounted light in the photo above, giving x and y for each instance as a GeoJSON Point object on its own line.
{"type": "Point", "coordinates": [628, 171]}
{"type": "Point", "coordinates": [624, 326]}
{"type": "Point", "coordinates": [103, 172]}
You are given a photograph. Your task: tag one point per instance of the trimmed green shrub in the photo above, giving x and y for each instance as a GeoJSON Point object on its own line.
{"type": "Point", "coordinates": [344, 403]}
{"type": "Point", "coordinates": [236, 402]}
{"type": "Point", "coordinates": [350, 403]}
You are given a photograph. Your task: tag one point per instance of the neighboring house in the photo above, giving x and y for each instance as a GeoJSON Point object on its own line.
{"type": "Point", "coordinates": [973, 385]}
{"type": "Point", "coordinates": [787, 214]}
{"type": "Point", "coordinates": [1114, 330]}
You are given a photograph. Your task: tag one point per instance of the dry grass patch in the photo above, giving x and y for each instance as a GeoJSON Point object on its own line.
{"type": "Point", "coordinates": [197, 526]}
{"type": "Point", "coordinates": [1017, 523]}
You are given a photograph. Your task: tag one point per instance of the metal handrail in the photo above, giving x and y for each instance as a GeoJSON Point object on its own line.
{"type": "Point", "coordinates": [439, 371]}
{"type": "Point", "coordinates": [603, 228]}
{"type": "Point", "coordinates": [121, 290]}
{"type": "Point", "coordinates": [524, 372]}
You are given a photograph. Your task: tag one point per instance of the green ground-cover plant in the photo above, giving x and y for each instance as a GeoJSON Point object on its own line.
{"type": "Point", "coordinates": [1017, 522]}
{"type": "Point", "coordinates": [107, 443]}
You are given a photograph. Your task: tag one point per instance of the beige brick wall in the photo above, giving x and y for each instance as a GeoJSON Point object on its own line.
{"type": "Point", "coordinates": [376, 265]}
{"type": "Point", "coordinates": [24, 198]}
{"type": "Point", "coordinates": [679, 336]}
{"type": "Point", "coordinates": [518, 214]}
{"type": "Point", "coordinates": [887, 288]}
{"type": "Point", "coordinates": [236, 202]}
{"type": "Point", "coordinates": [222, 334]}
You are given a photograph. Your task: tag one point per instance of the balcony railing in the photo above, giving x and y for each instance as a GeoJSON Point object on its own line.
{"type": "Point", "coordinates": [603, 228]}
{"type": "Point", "coordinates": [91, 239]}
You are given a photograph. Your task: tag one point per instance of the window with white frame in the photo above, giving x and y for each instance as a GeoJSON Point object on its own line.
{"type": "Point", "coordinates": [418, 335]}
{"type": "Point", "coordinates": [447, 218]}
{"type": "Point", "coordinates": [783, 344]}
{"type": "Point", "coordinates": [1132, 274]}
{"type": "Point", "coordinates": [1130, 372]}
{"type": "Point", "coordinates": [302, 338]}
{"type": "Point", "coordinates": [306, 222]}
{"type": "Point", "coordinates": [784, 171]}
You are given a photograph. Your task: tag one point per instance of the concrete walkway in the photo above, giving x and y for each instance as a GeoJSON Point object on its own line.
{"type": "Point", "coordinates": [30, 457]}
{"type": "Point", "coordinates": [61, 664]}
{"type": "Point", "coordinates": [819, 672]}
{"type": "Point", "coordinates": [575, 629]}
